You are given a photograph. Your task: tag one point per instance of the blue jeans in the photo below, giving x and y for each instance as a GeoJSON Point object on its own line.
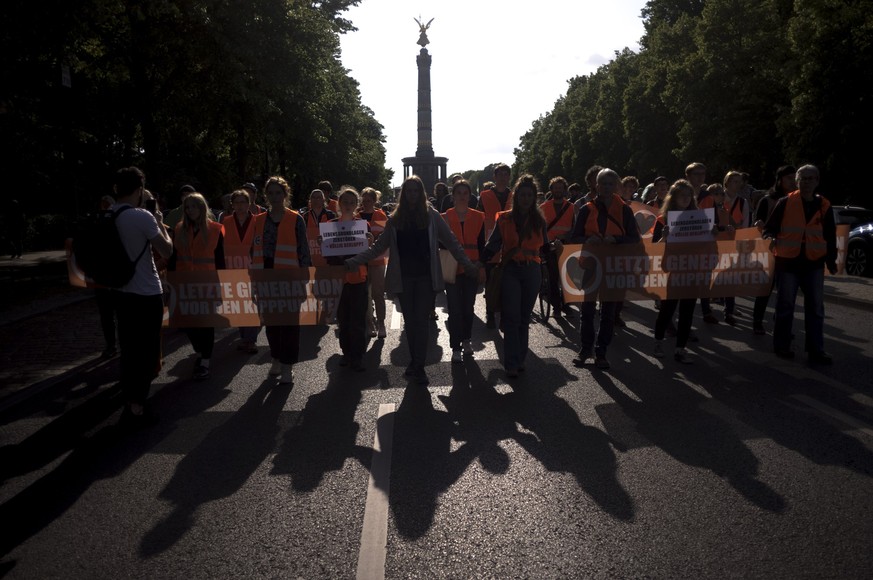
{"type": "Point", "coordinates": [461, 298]}
{"type": "Point", "coordinates": [604, 333]}
{"type": "Point", "coordinates": [518, 293]}
{"type": "Point", "coordinates": [416, 304]}
{"type": "Point", "coordinates": [811, 282]}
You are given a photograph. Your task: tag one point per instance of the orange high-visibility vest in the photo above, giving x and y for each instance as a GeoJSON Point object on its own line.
{"type": "Point", "coordinates": [796, 231]}
{"type": "Point", "coordinates": [562, 227]}
{"type": "Point", "coordinates": [614, 223]}
{"type": "Point", "coordinates": [312, 233]}
{"type": "Point", "coordinates": [491, 206]}
{"type": "Point", "coordinates": [736, 213]}
{"type": "Point", "coordinates": [377, 223]}
{"type": "Point", "coordinates": [237, 246]}
{"type": "Point", "coordinates": [286, 242]}
{"type": "Point", "coordinates": [468, 233]}
{"type": "Point", "coordinates": [530, 247]}
{"type": "Point", "coordinates": [197, 255]}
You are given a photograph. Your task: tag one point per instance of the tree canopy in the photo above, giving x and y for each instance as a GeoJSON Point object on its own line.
{"type": "Point", "coordinates": [737, 84]}
{"type": "Point", "coordinates": [205, 92]}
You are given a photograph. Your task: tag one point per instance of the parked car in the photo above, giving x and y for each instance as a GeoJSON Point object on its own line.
{"type": "Point", "coordinates": [852, 215]}
{"type": "Point", "coordinates": [859, 252]}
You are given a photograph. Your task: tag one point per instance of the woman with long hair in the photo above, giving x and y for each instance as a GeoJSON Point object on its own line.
{"type": "Point", "coordinates": [680, 197]}
{"type": "Point", "coordinates": [280, 242]}
{"type": "Point", "coordinates": [412, 237]}
{"type": "Point", "coordinates": [521, 238]}
{"type": "Point", "coordinates": [199, 246]}
{"type": "Point", "coordinates": [239, 233]}
{"type": "Point", "coordinates": [468, 225]}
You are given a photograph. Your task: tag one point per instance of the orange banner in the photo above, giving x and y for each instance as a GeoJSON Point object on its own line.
{"type": "Point", "coordinates": [646, 271]}
{"type": "Point", "coordinates": [233, 298]}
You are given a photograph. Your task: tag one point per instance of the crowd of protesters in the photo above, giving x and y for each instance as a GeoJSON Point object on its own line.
{"type": "Point", "coordinates": [509, 233]}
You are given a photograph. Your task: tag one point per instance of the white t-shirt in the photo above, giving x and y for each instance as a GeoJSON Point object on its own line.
{"type": "Point", "coordinates": [136, 227]}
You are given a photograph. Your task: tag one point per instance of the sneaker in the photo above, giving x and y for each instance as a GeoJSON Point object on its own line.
{"type": "Point", "coordinates": [457, 356]}
{"type": "Point", "coordinates": [468, 347]}
{"type": "Point", "coordinates": [201, 373]}
{"type": "Point", "coordinates": [710, 319]}
{"type": "Point", "coordinates": [286, 376]}
{"type": "Point", "coordinates": [659, 350]}
{"type": "Point", "coordinates": [758, 328]}
{"type": "Point", "coordinates": [275, 368]}
{"type": "Point", "coordinates": [681, 356]}
{"type": "Point", "coordinates": [729, 318]}
{"type": "Point", "coordinates": [820, 358]}
{"type": "Point", "coordinates": [380, 329]}
{"type": "Point", "coordinates": [252, 348]}
{"type": "Point", "coordinates": [582, 357]}
{"type": "Point", "coordinates": [601, 362]}
{"type": "Point", "coordinates": [373, 333]}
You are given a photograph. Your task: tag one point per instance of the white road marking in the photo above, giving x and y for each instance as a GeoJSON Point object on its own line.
{"type": "Point", "coordinates": [374, 534]}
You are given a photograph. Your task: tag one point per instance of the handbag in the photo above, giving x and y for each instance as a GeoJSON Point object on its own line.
{"type": "Point", "coordinates": [449, 266]}
{"type": "Point", "coordinates": [495, 279]}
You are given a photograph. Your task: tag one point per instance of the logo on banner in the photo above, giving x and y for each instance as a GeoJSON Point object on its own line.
{"type": "Point", "coordinates": [581, 273]}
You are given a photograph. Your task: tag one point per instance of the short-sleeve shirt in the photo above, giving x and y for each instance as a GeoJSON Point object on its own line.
{"type": "Point", "coordinates": [136, 228]}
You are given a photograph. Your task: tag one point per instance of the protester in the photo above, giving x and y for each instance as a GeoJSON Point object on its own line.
{"type": "Point", "coordinates": [680, 197]}
{"type": "Point", "coordinates": [280, 242]}
{"type": "Point", "coordinates": [139, 303]}
{"type": "Point", "coordinates": [198, 244]}
{"type": "Point", "coordinates": [239, 233]}
{"type": "Point", "coordinates": [376, 268]}
{"type": "Point", "coordinates": [414, 271]}
{"type": "Point", "coordinates": [804, 242]}
{"type": "Point", "coordinates": [559, 214]}
{"type": "Point", "coordinates": [468, 226]}
{"type": "Point", "coordinates": [316, 214]}
{"type": "Point", "coordinates": [604, 220]}
{"type": "Point", "coordinates": [521, 238]}
{"type": "Point", "coordinates": [495, 199]}
{"type": "Point", "coordinates": [351, 317]}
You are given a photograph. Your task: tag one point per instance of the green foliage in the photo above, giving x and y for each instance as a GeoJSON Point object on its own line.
{"type": "Point", "coordinates": [206, 92]}
{"type": "Point", "coordinates": [737, 84]}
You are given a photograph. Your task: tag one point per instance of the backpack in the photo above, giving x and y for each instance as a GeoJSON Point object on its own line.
{"type": "Point", "coordinates": [100, 253]}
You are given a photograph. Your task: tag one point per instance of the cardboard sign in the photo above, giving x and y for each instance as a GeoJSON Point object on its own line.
{"type": "Point", "coordinates": [343, 238]}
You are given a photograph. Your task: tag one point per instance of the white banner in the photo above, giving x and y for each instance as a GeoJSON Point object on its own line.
{"type": "Point", "coordinates": [693, 225]}
{"type": "Point", "coordinates": [343, 238]}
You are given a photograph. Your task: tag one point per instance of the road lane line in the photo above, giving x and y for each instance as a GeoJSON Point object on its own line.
{"type": "Point", "coordinates": [374, 534]}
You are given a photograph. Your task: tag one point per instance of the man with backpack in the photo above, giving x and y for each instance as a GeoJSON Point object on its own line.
{"type": "Point", "coordinates": [139, 301]}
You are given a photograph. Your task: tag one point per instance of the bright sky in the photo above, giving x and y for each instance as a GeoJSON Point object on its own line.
{"type": "Point", "coordinates": [497, 66]}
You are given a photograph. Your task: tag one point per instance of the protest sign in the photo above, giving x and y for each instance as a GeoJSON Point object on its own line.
{"type": "Point", "coordinates": [693, 225]}
{"type": "Point", "coordinates": [343, 238]}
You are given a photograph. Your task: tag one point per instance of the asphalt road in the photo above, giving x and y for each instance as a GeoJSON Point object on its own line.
{"type": "Point", "coordinates": [739, 465]}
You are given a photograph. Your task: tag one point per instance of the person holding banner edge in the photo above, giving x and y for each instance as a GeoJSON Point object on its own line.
{"type": "Point", "coordinates": [376, 268]}
{"type": "Point", "coordinates": [280, 242]}
{"type": "Point", "coordinates": [520, 236]}
{"type": "Point", "coordinates": [412, 237]}
{"type": "Point", "coordinates": [606, 219]}
{"type": "Point", "coordinates": [239, 232]}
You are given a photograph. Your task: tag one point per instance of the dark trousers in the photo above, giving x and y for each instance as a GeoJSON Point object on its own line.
{"type": "Point", "coordinates": [600, 338]}
{"type": "Point", "coordinates": [351, 320]}
{"type": "Point", "coordinates": [106, 309]}
{"type": "Point", "coordinates": [284, 343]}
{"type": "Point", "coordinates": [461, 299]}
{"type": "Point", "coordinates": [139, 334]}
{"type": "Point", "coordinates": [761, 304]}
{"type": "Point", "coordinates": [416, 304]}
{"type": "Point", "coordinates": [556, 296]}
{"type": "Point", "coordinates": [665, 315]}
{"type": "Point", "coordinates": [202, 340]}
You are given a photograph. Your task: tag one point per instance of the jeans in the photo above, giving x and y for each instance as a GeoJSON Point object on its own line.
{"type": "Point", "coordinates": [604, 333]}
{"type": "Point", "coordinates": [811, 282]}
{"type": "Point", "coordinates": [461, 298]}
{"type": "Point", "coordinates": [518, 293]}
{"type": "Point", "coordinates": [416, 304]}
